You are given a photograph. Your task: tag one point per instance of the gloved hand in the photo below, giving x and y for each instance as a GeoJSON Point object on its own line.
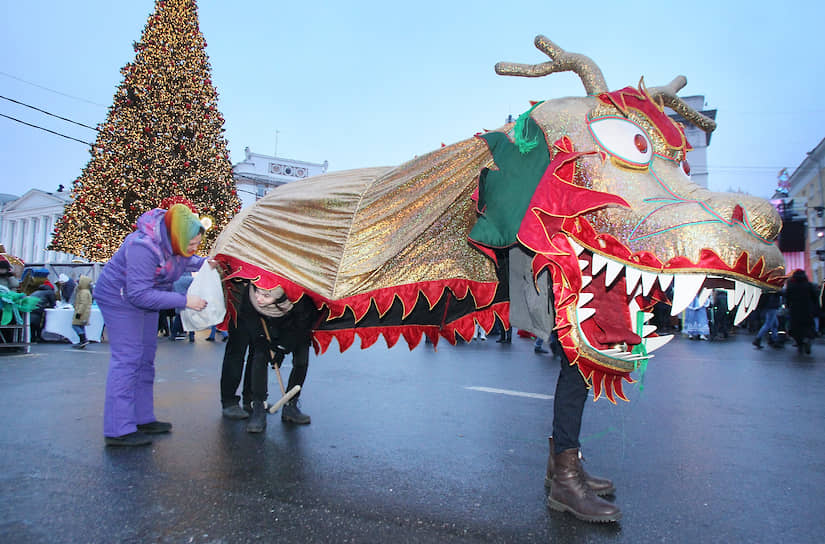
{"type": "Point", "coordinates": [277, 358]}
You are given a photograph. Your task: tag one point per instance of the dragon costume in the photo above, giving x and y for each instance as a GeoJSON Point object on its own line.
{"type": "Point", "coordinates": [595, 191]}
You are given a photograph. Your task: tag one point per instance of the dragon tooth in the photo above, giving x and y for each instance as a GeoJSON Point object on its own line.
{"type": "Point", "coordinates": [583, 314]}
{"type": "Point", "coordinates": [584, 298]}
{"type": "Point", "coordinates": [738, 291]}
{"type": "Point", "coordinates": [648, 279]}
{"type": "Point", "coordinates": [647, 330]}
{"type": "Point", "coordinates": [648, 316]}
{"type": "Point", "coordinates": [638, 356]}
{"type": "Point", "coordinates": [741, 314]}
{"type": "Point", "coordinates": [634, 309]}
{"type": "Point", "coordinates": [652, 343]}
{"type": "Point", "coordinates": [613, 269]}
{"type": "Point", "coordinates": [747, 298]}
{"type": "Point", "coordinates": [598, 262]}
{"type": "Point", "coordinates": [576, 247]}
{"type": "Point", "coordinates": [685, 287]}
{"type": "Point", "coordinates": [664, 281]}
{"type": "Point", "coordinates": [756, 298]}
{"type": "Point", "coordinates": [631, 278]}
{"type": "Point", "coordinates": [586, 281]}
{"type": "Point", "coordinates": [583, 264]}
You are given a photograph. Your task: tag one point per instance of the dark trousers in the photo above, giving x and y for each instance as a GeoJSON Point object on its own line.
{"type": "Point", "coordinates": [568, 405]}
{"type": "Point", "coordinates": [260, 370]}
{"type": "Point", "coordinates": [232, 370]}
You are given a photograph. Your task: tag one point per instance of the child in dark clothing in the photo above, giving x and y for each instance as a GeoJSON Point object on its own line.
{"type": "Point", "coordinates": [271, 325]}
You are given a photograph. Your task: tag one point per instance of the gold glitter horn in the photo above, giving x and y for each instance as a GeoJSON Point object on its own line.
{"type": "Point", "coordinates": [593, 79]}
{"type": "Point", "coordinates": [561, 61]}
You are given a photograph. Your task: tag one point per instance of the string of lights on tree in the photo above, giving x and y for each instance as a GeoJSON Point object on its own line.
{"type": "Point", "coordinates": [163, 137]}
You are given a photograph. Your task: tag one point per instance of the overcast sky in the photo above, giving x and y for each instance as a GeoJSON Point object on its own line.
{"type": "Point", "coordinates": [363, 83]}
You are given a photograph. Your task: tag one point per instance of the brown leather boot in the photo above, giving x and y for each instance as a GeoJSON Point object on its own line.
{"type": "Point", "coordinates": [571, 493]}
{"type": "Point", "coordinates": [600, 486]}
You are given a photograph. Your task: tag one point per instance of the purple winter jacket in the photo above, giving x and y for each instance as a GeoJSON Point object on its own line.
{"type": "Point", "coordinates": [143, 269]}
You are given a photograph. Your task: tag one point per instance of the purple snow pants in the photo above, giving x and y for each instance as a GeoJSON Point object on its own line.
{"type": "Point", "coordinates": [133, 339]}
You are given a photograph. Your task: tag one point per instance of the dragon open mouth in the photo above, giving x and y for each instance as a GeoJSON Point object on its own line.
{"type": "Point", "coordinates": [610, 315]}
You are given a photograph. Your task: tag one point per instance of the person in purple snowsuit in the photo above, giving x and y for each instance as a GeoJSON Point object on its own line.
{"type": "Point", "coordinates": [134, 285]}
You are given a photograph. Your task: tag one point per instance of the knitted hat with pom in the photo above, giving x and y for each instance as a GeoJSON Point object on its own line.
{"type": "Point", "coordinates": [182, 225]}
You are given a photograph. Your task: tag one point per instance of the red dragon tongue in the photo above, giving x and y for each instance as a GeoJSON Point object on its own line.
{"type": "Point", "coordinates": [610, 325]}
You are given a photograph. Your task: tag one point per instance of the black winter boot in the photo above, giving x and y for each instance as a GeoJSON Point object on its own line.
{"type": "Point", "coordinates": [257, 421]}
{"type": "Point", "coordinates": [292, 414]}
{"type": "Point", "coordinates": [600, 486]}
{"type": "Point", "coordinates": [571, 493]}
{"type": "Point", "coordinates": [82, 344]}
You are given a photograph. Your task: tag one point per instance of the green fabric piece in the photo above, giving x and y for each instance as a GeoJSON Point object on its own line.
{"type": "Point", "coordinates": [526, 140]}
{"type": "Point", "coordinates": [14, 304]}
{"type": "Point", "coordinates": [504, 194]}
{"type": "Point", "coordinates": [640, 349]}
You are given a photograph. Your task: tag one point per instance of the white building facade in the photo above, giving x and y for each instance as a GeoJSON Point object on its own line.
{"type": "Point", "coordinates": [27, 224]}
{"type": "Point", "coordinates": [257, 174]}
{"type": "Point", "coordinates": [807, 192]}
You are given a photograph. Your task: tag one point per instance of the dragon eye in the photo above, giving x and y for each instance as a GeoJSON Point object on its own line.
{"type": "Point", "coordinates": [623, 139]}
{"type": "Point", "coordinates": [684, 166]}
{"type": "Point", "coordinates": [641, 143]}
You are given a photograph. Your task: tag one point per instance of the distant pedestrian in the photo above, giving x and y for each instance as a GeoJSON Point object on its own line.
{"type": "Point", "coordinates": [181, 286]}
{"type": "Point", "coordinates": [37, 317]}
{"type": "Point", "coordinates": [769, 304]}
{"type": "Point", "coordinates": [82, 310]}
{"type": "Point", "coordinates": [801, 298]}
{"type": "Point", "coordinates": [696, 319]}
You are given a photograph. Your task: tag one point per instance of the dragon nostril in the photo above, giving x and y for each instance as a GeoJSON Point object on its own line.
{"type": "Point", "coordinates": [738, 215]}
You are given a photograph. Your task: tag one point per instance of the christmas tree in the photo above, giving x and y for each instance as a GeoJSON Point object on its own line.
{"type": "Point", "coordinates": [162, 138]}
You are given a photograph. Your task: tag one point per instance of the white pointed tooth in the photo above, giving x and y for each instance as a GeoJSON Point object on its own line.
{"type": "Point", "coordinates": [638, 357]}
{"type": "Point", "coordinates": [738, 291]}
{"type": "Point", "coordinates": [704, 295]}
{"type": "Point", "coordinates": [655, 342]}
{"type": "Point", "coordinates": [648, 279]}
{"type": "Point", "coordinates": [634, 309]}
{"type": "Point", "coordinates": [664, 281]}
{"type": "Point", "coordinates": [648, 316]}
{"type": "Point", "coordinates": [613, 269]}
{"type": "Point", "coordinates": [583, 314]}
{"type": "Point", "coordinates": [623, 354]}
{"type": "Point", "coordinates": [647, 330]}
{"type": "Point", "coordinates": [747, 298]}
{"type": "Point", "coordinates": [586, 281]}
{"type": "Point", "coordinates": [576, 247]}
{"type": "Point", "coordinates": [583, 264]}
{"type": "Point", "coordinates": [611, 351]}
{"type": "Point", "coordinates": [584, 298]}
{"type": "Point", "coordinates": [731, 304]}
{"type": "Point", "coordinates": [741, 314]}
{"type": "Point", "coordinates": [756, 298]}
{"type": "Point", "coordinates": [598, 263]}
{"type": "Point", "coordinates": [685, 287]}
{"type": "Point", "coordinates": [631, 278]}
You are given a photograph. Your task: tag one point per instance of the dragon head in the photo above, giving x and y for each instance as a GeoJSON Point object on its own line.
{"type": "Point", "coordinates": [616, 219]}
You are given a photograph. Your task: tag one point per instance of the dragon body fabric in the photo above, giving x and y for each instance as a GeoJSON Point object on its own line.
{"type": "Point", "coordinates": [591, 194]}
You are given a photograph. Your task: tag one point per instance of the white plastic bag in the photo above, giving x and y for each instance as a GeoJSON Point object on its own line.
{"type": "Point", "coordinates": [207, 285]}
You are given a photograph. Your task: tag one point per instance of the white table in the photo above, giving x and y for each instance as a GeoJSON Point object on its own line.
{"type": "Point", "coordinates": [59, 321]}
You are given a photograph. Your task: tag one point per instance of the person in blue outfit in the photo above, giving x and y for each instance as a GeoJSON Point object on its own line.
{"type": "Point", "coordinates": [134, 285]}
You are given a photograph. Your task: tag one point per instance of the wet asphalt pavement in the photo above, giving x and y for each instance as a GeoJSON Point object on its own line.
{"type": "Point", "coordinates": [723, 444]}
